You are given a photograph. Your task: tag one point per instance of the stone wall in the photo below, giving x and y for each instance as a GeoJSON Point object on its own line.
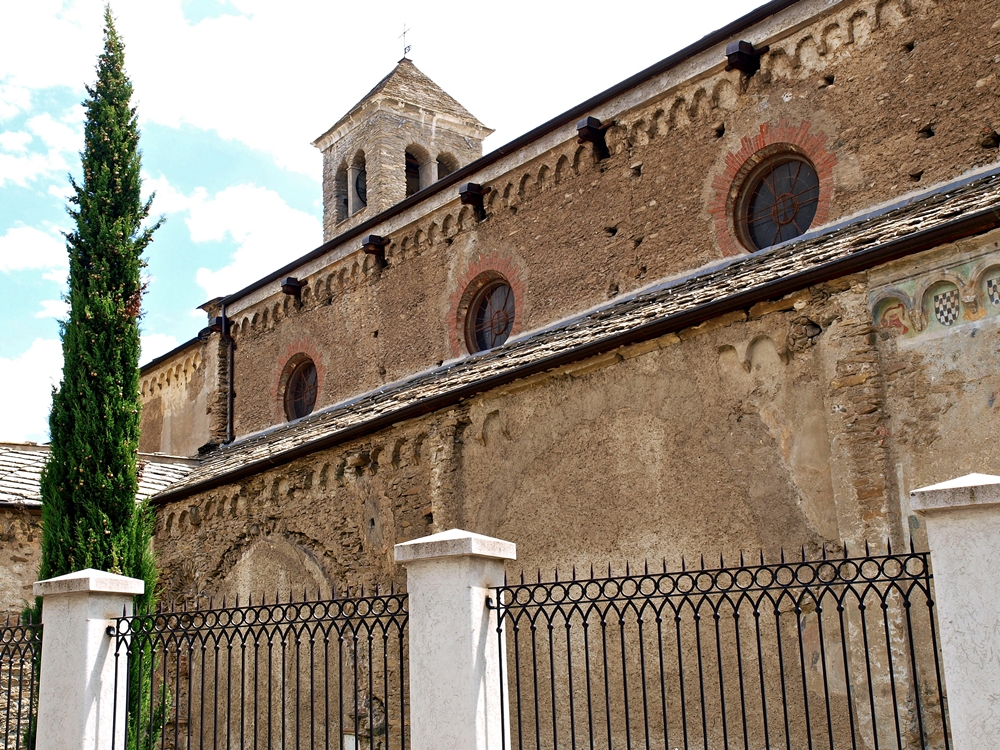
{"type": "Point", "coordinates": [759, 430]}
{"type": "Point", "coordinates": [20, 556]}
{"type": "Point", "coordinates": [883, 97]}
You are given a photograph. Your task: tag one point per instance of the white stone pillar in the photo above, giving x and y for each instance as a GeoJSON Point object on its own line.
{"type": "Point", "coordinates": [963, 531]}
{"type": "Point", "coordinates": [456, 697]}
{"type": "Point", "coordinates": [76, 696]}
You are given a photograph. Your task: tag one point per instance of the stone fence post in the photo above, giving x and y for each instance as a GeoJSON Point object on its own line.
{"type": "Point", "coordinates": [76, 692]}
{"type": "Point", "coordinates": [456, 696]}
{"type": "Point", "coordinates": [962, 518]}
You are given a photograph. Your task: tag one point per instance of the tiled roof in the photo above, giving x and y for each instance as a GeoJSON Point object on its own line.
{"type": "Point", "coordinates": [928, 217]}
{"type": "Point", "coordinates": [21, 469]}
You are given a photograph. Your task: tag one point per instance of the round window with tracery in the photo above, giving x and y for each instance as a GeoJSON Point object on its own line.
{"type": "Point", "coordinates": [491, 316]}
{"type": "Point", "coordinates": [300, 391]}
{"type": "Point", "coordinates": [778, 202]}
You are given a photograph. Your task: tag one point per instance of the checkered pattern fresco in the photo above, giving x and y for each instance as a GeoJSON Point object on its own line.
{"type": "Point", "coordinates": [993, 291]}
{"type": "Point", "coordinates": [946, 307]}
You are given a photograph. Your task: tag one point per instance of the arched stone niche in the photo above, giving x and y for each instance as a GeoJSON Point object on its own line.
{"type": "Point", "coordinates": [942, 305]}
{"type": "Point", "coordinates": [273, 565]}
{"type": "Point", "coordinates": [891, 314]}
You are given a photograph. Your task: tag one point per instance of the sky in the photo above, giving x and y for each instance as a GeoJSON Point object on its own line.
{"type": "Point", "coordinates": [230, 95]}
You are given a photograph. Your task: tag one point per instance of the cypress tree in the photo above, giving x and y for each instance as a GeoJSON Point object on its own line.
{"type": "Point", "coordinates": [90, 518]}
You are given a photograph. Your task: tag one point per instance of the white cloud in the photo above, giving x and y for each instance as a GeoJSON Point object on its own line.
{"type": "Point", "coordinates": [53, 308]}
{"type": "Point", "coordinates": [31, 376]}
{"type": "Point", "coordinates": [13, 100]}
{"type": "Point", "coordinates": [57, 135]}
{"type": "Point", "coordinates": [155, 344]}
{"type": "Point", "coordinates": [268, 232]}
{"type": "Point", "coordinates": [27, 248]}
{"type": "Point", "coordinates": [15, 141]}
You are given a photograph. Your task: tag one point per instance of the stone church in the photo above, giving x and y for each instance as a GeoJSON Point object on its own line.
{"type": "Point", "coordinates": [744, 300]}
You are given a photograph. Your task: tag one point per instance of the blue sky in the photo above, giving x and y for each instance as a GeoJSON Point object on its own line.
{"type": "Point", "coordinates": [230, 94]}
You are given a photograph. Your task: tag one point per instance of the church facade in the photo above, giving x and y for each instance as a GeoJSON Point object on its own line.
{"type": "Point", "coordinates": [744, 300]}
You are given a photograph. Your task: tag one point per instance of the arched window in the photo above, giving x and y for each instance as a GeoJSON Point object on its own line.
{"type": "Point", "coordinates": [490, 317]}
{"type": "Point", "coordinates": [412, 174]}
{"type": "Point", "coordinates": [340, 193]}
{"type": "Point", "coordinates": [418, 169]}
{"type": "Point", "coordinates": [301, 384]}
{"type": "Point", "coordinates": [357, 184]}
{"type": "Point", "coordinates": [446, 164]}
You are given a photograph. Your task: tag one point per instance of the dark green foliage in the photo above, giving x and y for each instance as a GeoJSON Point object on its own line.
{"type": "Point", "coordinates": [89, 515]}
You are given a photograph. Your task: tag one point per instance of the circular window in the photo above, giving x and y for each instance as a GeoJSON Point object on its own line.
{"type": "Point", "coordinates": [300, 392]}
{"type": "Point", "coordinates": [778, 202]}
{"type": "Point", "coordinates": [491, 316]}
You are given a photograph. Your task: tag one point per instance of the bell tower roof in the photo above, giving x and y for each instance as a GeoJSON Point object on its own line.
{"type": "Point", "coordinates": [409, 92]}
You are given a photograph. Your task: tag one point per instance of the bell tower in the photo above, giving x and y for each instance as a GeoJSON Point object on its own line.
{"type": "Point", "coordinates": [405, 134]}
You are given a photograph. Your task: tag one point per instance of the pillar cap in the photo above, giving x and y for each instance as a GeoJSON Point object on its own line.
{"type": "Point", "coordinates": [455, 543]}
{"type": "Point", "coordinates": [90, 580]}
{"type": "Point", "coordinates": [972, 490]}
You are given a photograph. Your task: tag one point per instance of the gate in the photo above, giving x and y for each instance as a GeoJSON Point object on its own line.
{"type": "Point", "coordinates": [289, 674]}
{"type": "Point", "coordinates": [828, 653]}
{"type": "Point", "coordinates": [20, 654]}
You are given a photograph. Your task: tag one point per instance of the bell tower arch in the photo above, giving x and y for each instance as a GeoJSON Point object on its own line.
{"type": "Point", "coordinates": [403, 136]}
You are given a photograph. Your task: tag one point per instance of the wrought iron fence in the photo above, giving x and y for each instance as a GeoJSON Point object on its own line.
{"type": "Point", "coordinates": [20, 653]}
{"type": "Point", "coordinates": [827, 653]}
{"type": "Point", "coordinates": [289, 674]}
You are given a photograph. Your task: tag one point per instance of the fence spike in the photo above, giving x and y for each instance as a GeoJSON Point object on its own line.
{"type": "Point", "coordinates": [522, 576]}
{"type": "Point", "coordinates": [703, 561]}
{"type": "Point", "coordinates": [888, 545]}
{"type": "Point", "coordinates": [762, 556]}
{"type": "Point", "coordinates": [628, 570]}
{"type": "Point", "coordinates": [722, 563]}
{"type": "Point", "coordinates": [803, 553]}
{"type": "Point", "coordinates": [845, 549]}
{"type": "Point", "coordinates": [824, 550]}
{"type": "Point", "coordinates": [539, 571]}
{"type": "Point", "coordinates": [782, 555]}
{"type": "Point", "coordinates": [592, 570]}
{"type": "Point", "coordinates": [211, 602]}
{"type": "Point", "coordinates": [557, 575]}
{"type": "Point", "coordinates": [868, 549]}
{"type": "Point", "coordinates": [664, 564]}
{"type": "Point", "coordinates": [645, 566]}
{"type": "Point", "coordinates": [742, 562]}
{"type": "Point", "coordinates": [574, 571]}
{"type": "Point", "coordinates": [683, 564]}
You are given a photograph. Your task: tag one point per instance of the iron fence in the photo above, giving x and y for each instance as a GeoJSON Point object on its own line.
{"type": "Point", "coordinates": [826, 653]}
{"type": "Point", "coordinates": [20, 653]}
{"type": "Point", "coordinates": [289, 674]}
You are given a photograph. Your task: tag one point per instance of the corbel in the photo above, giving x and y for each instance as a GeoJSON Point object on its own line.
{"type": "Point", "coordinates": [474, 194]}
{"type": "Point", "coordinates": [744, 57]}
{"type": "Point", "coordinates": [374, 244]}
{"type": "Point", "coordinates": [591, 130]}
{"type": "Point", "coordinates": [292, 287]}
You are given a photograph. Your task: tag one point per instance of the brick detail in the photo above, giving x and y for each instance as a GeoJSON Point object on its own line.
{"type": "Point", "coordinates": [771, 139]}
{"type": "Point", "coordinates": [482, 270]}
{"type": "Point", "coordinates": [283, 368]}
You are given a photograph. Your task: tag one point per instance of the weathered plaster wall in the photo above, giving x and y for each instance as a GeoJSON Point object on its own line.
{"type": "Point", "coordinates": [183, 406]}
{"type": "Point", "coordinates": [885, 97]}
{"type": "Point", "coordinates": [20, 556]}
{"type": "Point", "coordinates": [943, 383]}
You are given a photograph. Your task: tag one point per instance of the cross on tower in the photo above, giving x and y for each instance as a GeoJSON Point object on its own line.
{"type": "Point", "coordinates": [406, 47]}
